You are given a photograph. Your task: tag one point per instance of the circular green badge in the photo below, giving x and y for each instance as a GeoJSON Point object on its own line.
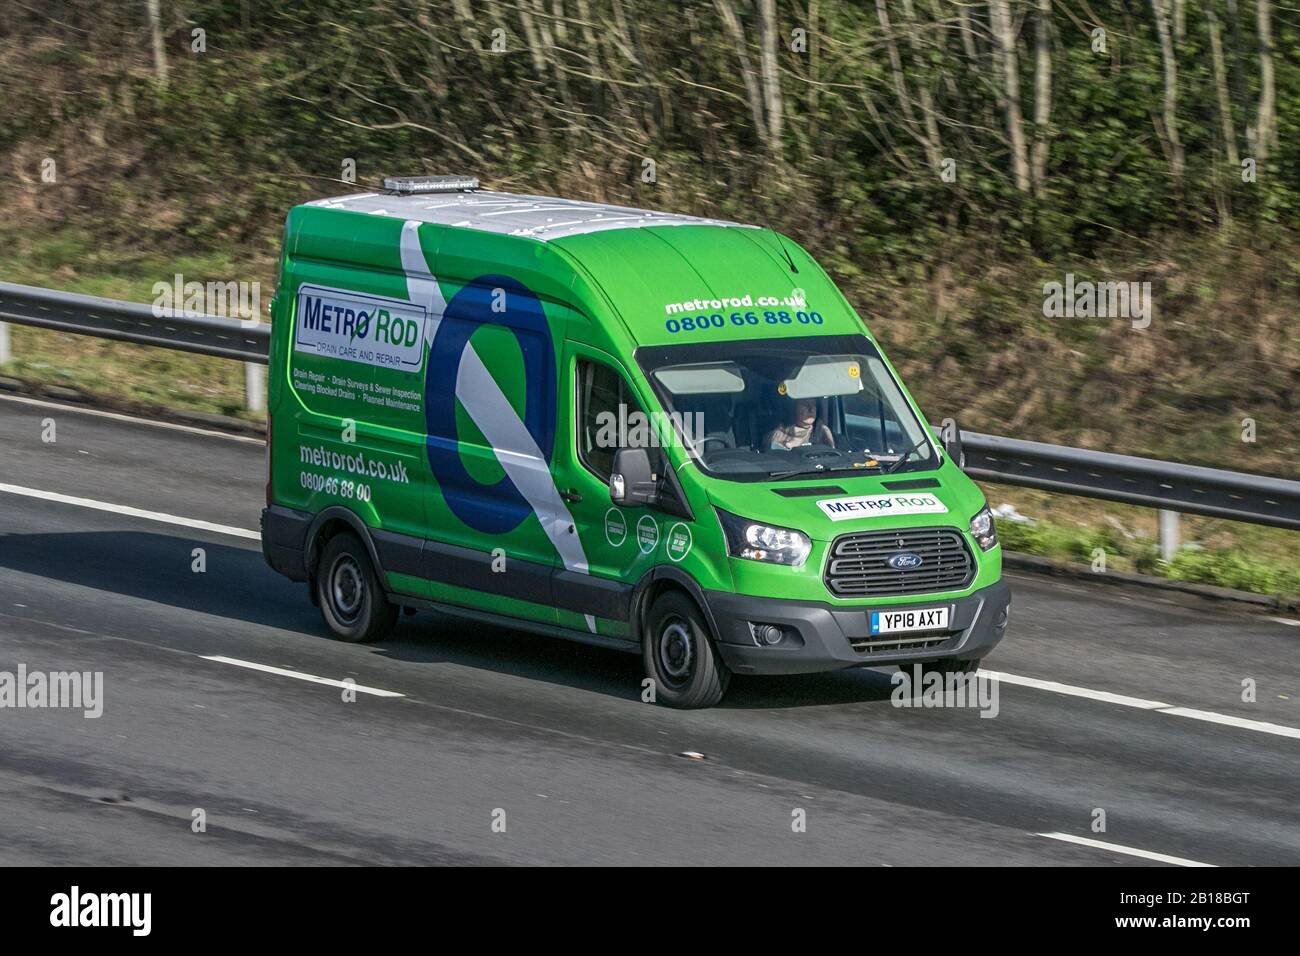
{"type": "Point", "coordinates": [615, 527]}
{"type": "Point", "coordinates": [647, 534]}
{"type": "Point", "coordinates": [678, 542]}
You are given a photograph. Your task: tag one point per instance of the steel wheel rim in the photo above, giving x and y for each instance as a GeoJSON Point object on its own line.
{"type": "Point", "coordinates": [347, 588]}
{"type": "Point", "coordinates": [676, 652]}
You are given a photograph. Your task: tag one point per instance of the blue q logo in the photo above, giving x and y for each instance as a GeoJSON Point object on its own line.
{"type": "Point", "coordinates": [457, 372]}
{"type": "Point", "coordinates": [905, 561]}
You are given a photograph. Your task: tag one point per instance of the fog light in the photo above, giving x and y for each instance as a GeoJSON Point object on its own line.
{"type": "Point", "coordinates": [768, 634]}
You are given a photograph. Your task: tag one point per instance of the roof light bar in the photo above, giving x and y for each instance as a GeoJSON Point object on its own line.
{"type": "Point", "coordinates": [409, 185]}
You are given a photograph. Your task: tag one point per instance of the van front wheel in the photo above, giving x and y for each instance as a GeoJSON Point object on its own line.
{"type": "Point", "coordinates": [351, 598]}
{"type": "Point", "coordinates": [679, 655]}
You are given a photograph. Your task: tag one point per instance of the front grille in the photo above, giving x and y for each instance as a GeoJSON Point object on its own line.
{"type": "Point", "coordinates": [858, 568]}
{"type": "Point", "coordinates": [930, 640]}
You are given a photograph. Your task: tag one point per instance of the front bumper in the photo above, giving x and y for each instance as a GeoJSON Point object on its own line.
{"type": "Point", "coordinates": [823, 637]}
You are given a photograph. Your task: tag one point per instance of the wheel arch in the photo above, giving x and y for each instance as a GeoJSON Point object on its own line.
{"type": "Point", "coordinates": [657, 581]}
{"type": "Point", "coordinates": [326, 525]}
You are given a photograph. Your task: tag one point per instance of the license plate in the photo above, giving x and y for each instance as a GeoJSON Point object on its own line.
{"type": "Point", "coordinates": [894, 622]}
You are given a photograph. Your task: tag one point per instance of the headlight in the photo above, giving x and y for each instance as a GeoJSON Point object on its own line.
{"type": "Point", "coordinates": [763, 542]}
{"type": "Point", "coordinates": [983, 530]}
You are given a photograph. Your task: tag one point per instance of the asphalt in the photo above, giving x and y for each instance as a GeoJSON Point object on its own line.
{"type": "Point", "coordinates": [552, 738]}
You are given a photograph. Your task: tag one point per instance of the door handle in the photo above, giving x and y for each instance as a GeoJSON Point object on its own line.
{"type": "Point", "coordinates": [571, 496]}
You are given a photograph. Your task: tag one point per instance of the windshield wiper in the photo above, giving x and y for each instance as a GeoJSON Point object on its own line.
{"type": "Point", "coordinates": [820, 470]}
{"type": "Point", "coordinates": [906, 455]}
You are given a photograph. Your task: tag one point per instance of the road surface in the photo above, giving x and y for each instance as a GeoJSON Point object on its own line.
{"type": "Point", "coordinates": [506, 747]}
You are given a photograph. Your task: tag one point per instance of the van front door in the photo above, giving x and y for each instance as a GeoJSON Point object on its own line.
{"type": "Point", "coordinates": [619, 544]}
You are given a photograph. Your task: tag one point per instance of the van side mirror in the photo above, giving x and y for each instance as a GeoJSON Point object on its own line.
{"type": "Point", "coordinates": [950, 437]}
{"type": "Point", "coordinates": [633, 483]}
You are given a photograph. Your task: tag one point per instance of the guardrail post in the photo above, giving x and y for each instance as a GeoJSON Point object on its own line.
{"type": "Point", "coordinates": [1168, 534]}
{"type": "Point", "coordinates": [254, 387]}
{"type": "Point", "coordinates": [5, 354]}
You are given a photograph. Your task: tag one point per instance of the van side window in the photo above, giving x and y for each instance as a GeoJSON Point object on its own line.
{"type": "Point", "coordinates": [604, 400]}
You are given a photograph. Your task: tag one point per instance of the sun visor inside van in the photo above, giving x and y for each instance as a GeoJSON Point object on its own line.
{"type": "Point", "coordinates": [704, 378]}
{"type": "Point", "coordinates": [823, 375]}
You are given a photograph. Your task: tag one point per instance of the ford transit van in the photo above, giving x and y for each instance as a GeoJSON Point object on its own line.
{"type": "Point", "coordinates": [648, 431]}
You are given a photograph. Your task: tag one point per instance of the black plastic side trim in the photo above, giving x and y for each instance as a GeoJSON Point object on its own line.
{"type": "Point", "coordinates": [519, 624]}
{"type": "Point", "coordinates": [471, 568]}
{"type": "Point", "coordinates": [399, 553]}
{"type": "Point", "coordinates": [289, 544]}
{"type": "Point", "coordinates": [589, 594]}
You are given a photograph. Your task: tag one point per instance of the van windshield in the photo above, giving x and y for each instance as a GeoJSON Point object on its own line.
{"type": "Point", "coordinates": [765, 410]}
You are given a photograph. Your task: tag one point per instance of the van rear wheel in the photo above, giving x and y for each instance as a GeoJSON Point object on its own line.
{"type": "Point", "coordinates": [351, 599]}
{"type": "Point", "coordinates": [680, 657]}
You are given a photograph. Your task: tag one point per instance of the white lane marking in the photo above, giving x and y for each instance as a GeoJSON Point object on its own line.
{"type": "Point", "coordinates": [129, 511]}
{"type": "Point", "coordinates": [282, 672]}
{"type": "Point", "coordinates": [1070, 690]}
{"type": "Point", "coordinates": [1073, 691]}
{"type": "Point", "coordinates": [1285, 620]}
{"type": "Point", "coordinates": [1242, 723]}
{"type": "Point", "coordinates": [118, 416]}
{"type": "Point", "coordinates": [1228, 720]}
{"type": "Point", "coordinates": [1130, 851]}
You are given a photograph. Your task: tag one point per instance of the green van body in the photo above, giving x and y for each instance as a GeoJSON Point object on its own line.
{"type": "Point", "coordinates": [424, 396]}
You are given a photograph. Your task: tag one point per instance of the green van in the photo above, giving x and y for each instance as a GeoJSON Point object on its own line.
{"type": "Point", "coordinates": [654, 432]}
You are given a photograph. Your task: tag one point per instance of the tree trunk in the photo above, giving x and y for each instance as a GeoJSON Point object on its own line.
{"type": "Point", "coordinates": [1042, 93]}
{"type": "Point", "coordinates": [1005, 45]}
{"type": "Point", "coordinates": [731, 23]}
{"type": "Point", "coordinates": [1266, 117]}
{"type": "Point", "coordinates": [1169, 114]}
{"type": "Point", "coordinates": [533, 40]}
{"type": "Point", "coordinates": [1236, 71]}
{"type": "Point", "coordinates": [155, 36]}
{"type": "Point", "coordinates": [895, 64]}
{"type": "Point", "coordinates": [814, 56]}
{"type": "Point", "coordinates": [771, 76]}
{"type": "Point", "coordinates": [1226, 123]}
{"type": "Point", "coordinates": [465, 18]}
{"type": "Point", "coordinates": [933, 150]}
{"type": "Point", "coordinates": [967, 35]}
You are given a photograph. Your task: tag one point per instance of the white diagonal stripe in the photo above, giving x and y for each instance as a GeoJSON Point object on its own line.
{"type": "Point", "coordinates": [518, 454]}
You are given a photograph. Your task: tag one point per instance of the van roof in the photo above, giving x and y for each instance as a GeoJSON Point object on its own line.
{"type": "Point", "coordinates": [533, 217]}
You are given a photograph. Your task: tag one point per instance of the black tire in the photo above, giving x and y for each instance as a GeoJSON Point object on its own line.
{"type": "Point", "coordinates": [351, 599]}
{"type": "Point", "coordinates": [679, 655]}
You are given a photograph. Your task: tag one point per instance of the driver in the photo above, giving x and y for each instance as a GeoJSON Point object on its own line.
{"type": "Point", "coordinates": [800, 427]}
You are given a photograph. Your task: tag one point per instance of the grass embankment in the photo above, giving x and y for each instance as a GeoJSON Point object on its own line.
{"type": "Point", "coordinates": [72, 262]}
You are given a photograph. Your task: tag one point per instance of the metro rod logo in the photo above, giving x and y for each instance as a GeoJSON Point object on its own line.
{"type": "Point", "coordinates": [372, 330]}
{"type": "Point", "coordinates": [74, 909]}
